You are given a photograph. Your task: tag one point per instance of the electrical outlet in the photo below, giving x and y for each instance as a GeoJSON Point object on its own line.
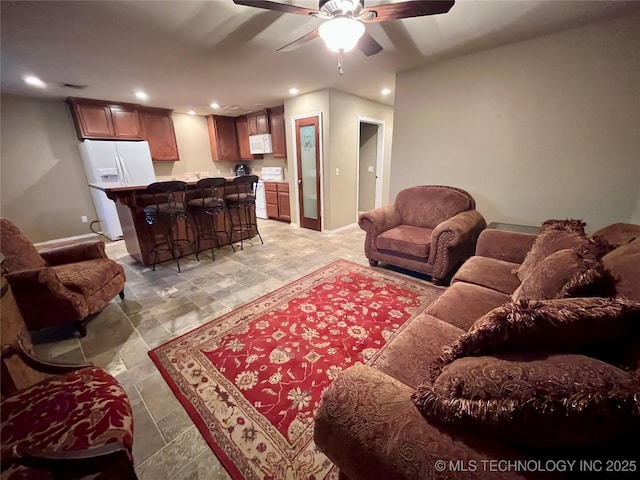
{"type": "Point", "coordinates": [84, 219]}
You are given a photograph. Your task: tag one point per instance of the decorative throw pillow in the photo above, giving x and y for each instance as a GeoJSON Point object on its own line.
{"type": "Point", "coordinates": [567, 225]}
{"type": "Point", "coordinates": [534, 399]}
{"type": "Point", "coordinates": [571, 324]}
{"type": "Point", "coordinates": [565, 273]}
{"type": "Point", "coordinates": [548, 242]}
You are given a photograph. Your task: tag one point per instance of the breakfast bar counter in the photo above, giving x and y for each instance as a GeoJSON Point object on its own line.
{"type": "Point", "coordinates": [139, 237]}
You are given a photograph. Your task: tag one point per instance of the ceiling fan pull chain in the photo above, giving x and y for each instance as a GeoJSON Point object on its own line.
{"type": "Point", "coordinates": [340, 70]}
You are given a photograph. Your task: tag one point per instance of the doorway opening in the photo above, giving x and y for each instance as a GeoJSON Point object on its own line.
{"type": "Point", "coordinates": [370, 159]}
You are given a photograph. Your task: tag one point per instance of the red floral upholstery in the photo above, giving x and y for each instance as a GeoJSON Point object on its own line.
{"type": "Point", "coordinates": [76, 411]}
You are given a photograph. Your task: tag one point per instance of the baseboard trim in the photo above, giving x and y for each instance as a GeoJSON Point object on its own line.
{"type": "Point", "coordinates": [340, 229]}
{"type": "Point", "coordinates": [67, 239]}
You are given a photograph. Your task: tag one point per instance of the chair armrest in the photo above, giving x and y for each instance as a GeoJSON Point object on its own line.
{"type": "Point", "coordinates": [465, 227]}
{"type": "Point", "coordinates": [379, 220]}
{"type": "Point", "coordinates": [71, 463]}
{"type": "Point", "coordinates": [504, 245]}
{"type": "Point", "coordinates": [16, 348]}
{"type": "Point", "coordinates": [78, 252]}
{"type": "Point", "coordinates": [369, 427]}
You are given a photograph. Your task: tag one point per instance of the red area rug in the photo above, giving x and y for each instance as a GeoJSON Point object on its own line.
{"type": "Point", "coordinates": [252, 379]}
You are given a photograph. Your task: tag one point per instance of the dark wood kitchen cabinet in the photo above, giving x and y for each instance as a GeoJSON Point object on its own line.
{"type": "Point", "coordinates": [223, 138]}
{"type": "Point", "coordinates": [278, 139]}
{"type": "Point", "coordinates": [258, 122]}
{"type": "Point", "coordinates": [158, 130]}
{"type": "Point", "coordinates": [277, 194]}
{"type": "Point", "coordinates": [98, 119]}
{"type": "Point", "coordinates": [242, 133]}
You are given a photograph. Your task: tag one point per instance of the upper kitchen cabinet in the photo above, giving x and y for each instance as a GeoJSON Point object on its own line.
{"type": "Point", "coordinates": [158, 130]}
{"type": "Point", "coordinates": [278, 139]}
{"type": "Point", "coordinates": [258, 122]}
{"type": "Point", "coordinates": [99, 120]}
{"type": "Point", "coordinates": [242, 133]}
{"type": "Point", "coordinates": [223, 138]}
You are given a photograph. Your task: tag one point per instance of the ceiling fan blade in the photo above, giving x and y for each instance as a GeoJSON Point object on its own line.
{"type": "Point", "coordinates": [299, 42]}
{"type": "Point", "coordinates": [368, 45]}
{"type": "Point", "coordinates": [278, 7]}
{"type": "Point", "coordinates": [420, 8]}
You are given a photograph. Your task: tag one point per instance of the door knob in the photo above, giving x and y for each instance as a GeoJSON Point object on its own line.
{"type": "Point", "coordinates": [299, 182]}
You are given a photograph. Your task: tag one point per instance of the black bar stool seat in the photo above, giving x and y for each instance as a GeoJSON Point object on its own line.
{"type": "Point", "coordinates": [204, 211]}
{"type": "Point", "coordinates": [167, 209]}
{"type": "Point", "coordinates": [243, 202]}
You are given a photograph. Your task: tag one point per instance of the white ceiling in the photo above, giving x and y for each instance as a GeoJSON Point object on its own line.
{"type": "Point", "coordinates": [187, 54]}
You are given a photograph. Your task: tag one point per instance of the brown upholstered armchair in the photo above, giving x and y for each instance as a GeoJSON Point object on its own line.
{"type": "Point", "coordinates": [429, 229]}
{"type": "Point", "coordinates": [59, 285]}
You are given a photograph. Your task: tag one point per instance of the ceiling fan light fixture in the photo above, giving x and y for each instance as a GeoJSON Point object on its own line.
{"type": "Point", "coordinates": [341, 33]}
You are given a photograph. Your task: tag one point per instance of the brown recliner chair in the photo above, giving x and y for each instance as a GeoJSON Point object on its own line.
{"type": "Point", "coordinates": [428, 229]}
{"type": "Point", "coordinates": [58, 285]}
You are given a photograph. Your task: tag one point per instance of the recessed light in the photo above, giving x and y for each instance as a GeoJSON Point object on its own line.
{"type": "Point", "coordinates": [140, 95]}
{"type": "Point", "coordinates": [385, 91]}
{"type": "Point", "coordinates": [34, 81]}
{"type": "Point", "coordinates": [191, 112]}
{"type": "Point", "coordinates": [215, 105]}
{"type": "Point", "coordinates": [293, 91]}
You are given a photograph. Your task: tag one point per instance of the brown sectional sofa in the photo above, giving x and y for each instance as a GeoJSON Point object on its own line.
{"type": "Point", "coordinates": [368, 424]}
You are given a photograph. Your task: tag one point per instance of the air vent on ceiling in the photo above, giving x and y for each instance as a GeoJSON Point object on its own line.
{"type": "Point", "coordinates": [73, 85]}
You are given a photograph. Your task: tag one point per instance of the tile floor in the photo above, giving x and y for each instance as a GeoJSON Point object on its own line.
{"type": "Point", "coordinates": [164, 304]}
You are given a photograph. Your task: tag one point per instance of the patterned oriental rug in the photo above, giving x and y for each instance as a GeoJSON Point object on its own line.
{"type": "Point", "coordinates": [252, 379]}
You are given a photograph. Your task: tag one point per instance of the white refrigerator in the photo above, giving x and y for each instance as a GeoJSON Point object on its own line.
{"type": "Point", "coordinates": [108, 161]}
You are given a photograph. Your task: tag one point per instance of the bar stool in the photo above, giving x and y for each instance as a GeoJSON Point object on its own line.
{"type": "Point", "coordinates": [243, 202]}
{"type": "Point", "coordinates": [204, 211]}
{"type": "Point", "coordinates": [167, 209]}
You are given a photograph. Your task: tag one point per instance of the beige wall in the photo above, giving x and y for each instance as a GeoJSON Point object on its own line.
{"type": "Point", "coordinates": [368, 158]}
{"type": "Point", "coordinates": [341, 191]}
{"type": "Point", "coordinates": [43, 185]}
{"type": "Point", "coordinates": [544, 128]}
{"type": "Point", "coordinates": [635, 217]}
{"type": "Point", "coordinates": [340, 125]}
{"type": "Point", "coordinates": [43, 188]}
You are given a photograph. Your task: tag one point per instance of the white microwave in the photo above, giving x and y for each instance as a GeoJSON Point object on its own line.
{"type": "Point", "coordinates": [260, 144]}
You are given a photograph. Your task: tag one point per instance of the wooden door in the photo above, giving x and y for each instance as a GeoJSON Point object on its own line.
{"type": "Point", "coordinates": [93, 120]}
{"type": "Point", "coordinates": [158, 129]}
{"type": "Point", "coordinates": [126, 123]}
{"type": "Point", "coordinates": [308, 162]}
{"type": "Point", "coordinates": [278, 140]}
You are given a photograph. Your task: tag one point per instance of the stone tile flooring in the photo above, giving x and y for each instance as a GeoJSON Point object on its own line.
{"type": "Point", "coordinates": [164, 304]}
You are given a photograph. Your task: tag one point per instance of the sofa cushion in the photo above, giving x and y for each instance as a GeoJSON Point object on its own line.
{"type": "Point", "coordinates": [623, 264]}
{"type": "Point", "coordinates": [571, 324]}
{"type": "Point", "coordinates": [565, 273]}
{"type": "Point", "coordinates": [89, 276]}
{"type": "Point", "coordinates": [464, 303]}
{"type": "Point", "coordinates": [415, 345]}
{"type": "Point", "coordinates": [490, 273]}
{"type": "Point", "coordinates": [407, 239]}
{"type": "Point", "coordinates": [618, 234]}
{"type": "Point", "coordinates": [534, 399]}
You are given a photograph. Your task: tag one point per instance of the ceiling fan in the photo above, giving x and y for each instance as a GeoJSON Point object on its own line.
{"type": "Point", "coordinates": [344, 28]}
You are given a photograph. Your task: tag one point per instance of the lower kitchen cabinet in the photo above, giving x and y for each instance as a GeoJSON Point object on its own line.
{"type": "Point", "coordinates": [277, 194]}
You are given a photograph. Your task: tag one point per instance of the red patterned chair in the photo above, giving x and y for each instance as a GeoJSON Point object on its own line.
{"type": "Point", "coordinates": [429, 229]}
{"type": "Point", "coordinates": [75, 424]}
{"type": "Point", "coordinates": [59, 285]}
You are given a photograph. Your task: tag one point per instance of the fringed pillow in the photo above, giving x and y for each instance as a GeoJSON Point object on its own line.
{"type": "Point", "coordinates": [536, 400]}
{"type": "Point", "coordinates": [565, 273]}
{"type": "Point", "coordinates": [572, 324]}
